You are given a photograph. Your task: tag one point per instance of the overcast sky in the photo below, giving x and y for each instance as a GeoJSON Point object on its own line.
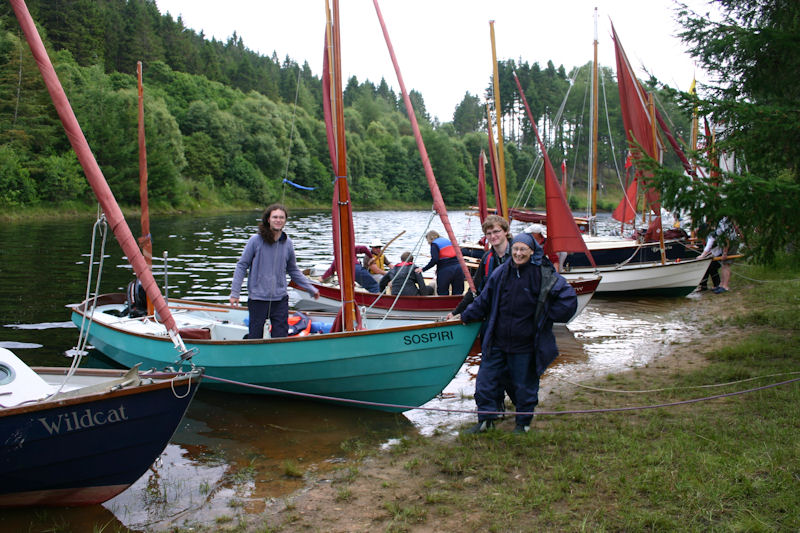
{"type": "Point", "coordinates": [443, 46]}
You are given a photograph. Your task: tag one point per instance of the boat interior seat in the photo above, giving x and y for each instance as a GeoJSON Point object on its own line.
{"type": "Point", "coordinates": [228, 332]}
{"type": "Point", "coordinates": [195, 333]}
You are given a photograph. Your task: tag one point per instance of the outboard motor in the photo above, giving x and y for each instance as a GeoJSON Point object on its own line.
{"type": "Point", "coordinates": [136, 300]}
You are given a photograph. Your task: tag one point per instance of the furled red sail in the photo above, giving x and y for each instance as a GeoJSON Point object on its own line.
{"type": "Point", "coordinates": [638, 127]}
{"type": "Point", "coordinates": [342, 210]}
{"type": "Point", "coordinates": [438, 201]}
{"type": "Point", "coordinates": [483, 209]}
{"type": "Point", "coordinates": [92, 170]}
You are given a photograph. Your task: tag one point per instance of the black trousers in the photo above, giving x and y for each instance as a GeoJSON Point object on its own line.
{"type": "Point", "coordinates": [276, 310]}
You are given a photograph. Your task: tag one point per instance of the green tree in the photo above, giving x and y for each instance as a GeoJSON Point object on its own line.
{"type": "Point", "coordinates": [469, 115]}
{"type": "Point", "coordinates": [757, 118]}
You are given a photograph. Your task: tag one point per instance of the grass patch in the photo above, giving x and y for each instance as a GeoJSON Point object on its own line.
{"type": "Point", "coordinates": [291, 469]}
{"type": "Point", "coordinates": [727, 464]}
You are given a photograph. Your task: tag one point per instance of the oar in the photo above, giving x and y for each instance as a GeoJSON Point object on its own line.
{"type": "Point", "coordinates": [736, 256]}
{"type": "Point", "coordinates": [385, 246]}
{"type": "Point", "coordinates": [184, 308]}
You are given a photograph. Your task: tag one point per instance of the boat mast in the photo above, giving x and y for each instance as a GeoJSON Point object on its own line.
{"type": "Point", "coordinates": [347, 277]}
{"type": "Point", "coordinates": [498, 199]}
{"type": "Point", "coordinates": [93, 173]}
{"type": "Point", "coordinates": [657, 155]}
{"type": "Point", "coordinates": [501, 171]}
{"type": "Point", "coordinates": [595, 120]}
{"type": "Point", "coordinates": [438, 201]}
{"type": "Point", "coordinates": [146, 240]}
{"type": "Point", "coordinates": [695, 126]}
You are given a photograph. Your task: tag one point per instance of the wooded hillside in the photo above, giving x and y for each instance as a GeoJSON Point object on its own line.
{"type": "Point", "coordinates": [222, 126]}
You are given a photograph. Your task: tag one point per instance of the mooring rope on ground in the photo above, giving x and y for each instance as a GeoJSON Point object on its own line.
{"type": "Point", "coordinates": [499, 413]}
{"type": "Point", "coordinates": [711, 386]}
{"type": "Point", "coordinates": [764, 280]}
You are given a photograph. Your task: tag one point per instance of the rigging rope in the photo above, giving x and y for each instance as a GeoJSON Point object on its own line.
{"type": "Point", "coordinates": [711, 386]}
{"type": "Point", "coordinates": [83, 336]}
{"type": "Point", "coordinates": [538, 163]}
{"type": "Point", "coordinates": [291, 138]}
{"type": "Point", "coordinates": [416, 249]}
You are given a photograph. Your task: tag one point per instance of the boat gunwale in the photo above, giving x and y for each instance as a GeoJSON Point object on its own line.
{"type": "Point", "coordinates": [79, 309]}
{"type": "Point", "coordinates": [163, 382]}
{"type": "Point", "coordinates": [600, 270]}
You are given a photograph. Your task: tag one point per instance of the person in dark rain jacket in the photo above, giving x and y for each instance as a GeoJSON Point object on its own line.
{"type": "Point", "coordinates": [520, 302]}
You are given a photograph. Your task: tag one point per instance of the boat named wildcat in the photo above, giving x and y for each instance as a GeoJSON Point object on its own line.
{"type": "Point", "coordinates": [89, 418]}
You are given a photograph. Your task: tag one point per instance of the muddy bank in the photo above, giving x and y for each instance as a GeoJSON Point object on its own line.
{"type": "Point", "coordinates": [358, 495]}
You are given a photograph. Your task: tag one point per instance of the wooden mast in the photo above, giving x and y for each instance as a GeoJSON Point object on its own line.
{"type": "Point", "coordinates": [652, 108]}
{"type": "Point", "coordinates": [438, 201]}
{"type": "Point", "coordinates": [92, 170]}
{"type": "Point", "coordinates": [501, 160]}
{"type": "Point", "coordinates": [499, 200]}
{"type": "Point", "coordinates": [595, 120]}
{"type": "Point", "coordinates": [146, 240]}
{"type": "Point", "coordinates": [347, 276]}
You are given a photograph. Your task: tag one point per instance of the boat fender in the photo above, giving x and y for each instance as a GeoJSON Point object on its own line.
{"type": "Point", "coordinates": [321, 327]}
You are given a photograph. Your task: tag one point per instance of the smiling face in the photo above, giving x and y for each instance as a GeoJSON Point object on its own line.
{"type": "Point", "coordinates": [495, 235]}
{"type": "Point", "coordinates": [520, 253]}
{"type": "Point", "coordinates": [277, 220]}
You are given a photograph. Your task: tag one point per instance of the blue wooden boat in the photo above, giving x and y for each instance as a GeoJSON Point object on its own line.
{"type": "Point", "coordinates": [88, 442]}
{"type": "Point", "coordinates": [403, 363]}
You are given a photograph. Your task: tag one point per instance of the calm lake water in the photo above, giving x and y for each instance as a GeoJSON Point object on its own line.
{"type": "Point", "coordinates": [236, 453]}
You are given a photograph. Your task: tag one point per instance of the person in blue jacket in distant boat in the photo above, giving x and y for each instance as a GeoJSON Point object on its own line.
{"type": "Point", "coordinates": [269, 256]}
{"type": "Point", "coordinates": [449, 276]}
{"type": "Point", "coordinates": [520, 302]}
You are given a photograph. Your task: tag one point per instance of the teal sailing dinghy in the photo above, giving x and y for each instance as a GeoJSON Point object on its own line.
{"type": "Point", "coordinates": [393, 364]}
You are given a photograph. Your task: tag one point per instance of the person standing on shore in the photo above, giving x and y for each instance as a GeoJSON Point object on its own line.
{"type": "Point", "coordinates": [269, 257]}
{"type": "Point", "coordinates": [495, 228]}
{"type": "Point", "coordinates": [520, 302]}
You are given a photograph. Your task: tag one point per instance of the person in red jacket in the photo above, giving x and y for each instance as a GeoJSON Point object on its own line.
{"type": "Point", "coordinates": [449, 276]}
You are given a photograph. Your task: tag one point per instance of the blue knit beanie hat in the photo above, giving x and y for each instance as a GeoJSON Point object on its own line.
{"type": "Point", "coordinates": [525, 238]}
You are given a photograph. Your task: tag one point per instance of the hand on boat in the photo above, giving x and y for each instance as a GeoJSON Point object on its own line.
{"type": "Point", "coordinates": [234, 301]}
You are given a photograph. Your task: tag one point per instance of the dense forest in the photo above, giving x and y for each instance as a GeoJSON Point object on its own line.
{"type": "Point", "coordinates": [227, 126]}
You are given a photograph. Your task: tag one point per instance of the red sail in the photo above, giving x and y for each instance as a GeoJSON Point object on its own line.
{"type": "Point", "coordinates": [498, 198]}
{"type": "Point", "coordinates": [483, 209]}
{"type": "Point", "coordinates": [626, 210]}
{"type": "Point", "coordinates": [635, 117]}
{"type": "Point", "coordinates": [349, 317]}
{"type": "Point", "coordinates": [563, 234]}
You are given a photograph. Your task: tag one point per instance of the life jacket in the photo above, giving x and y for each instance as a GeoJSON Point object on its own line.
{"type": "Point", "coordinates": [135, 300]}
{"type": "Point", "coordinates": [400, 265]}
{"type": "Point", "coordinates": [446, 248]}
{"type": "Point", "coordinates": [299, 324]}
{"type": "Point", "coordinates": [490, 265]}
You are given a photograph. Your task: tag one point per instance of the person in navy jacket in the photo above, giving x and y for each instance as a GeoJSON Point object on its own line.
{"type": "Point", "coordinates": [520, 302]}
{"type": "Point", "coordinates": [449, 276]}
